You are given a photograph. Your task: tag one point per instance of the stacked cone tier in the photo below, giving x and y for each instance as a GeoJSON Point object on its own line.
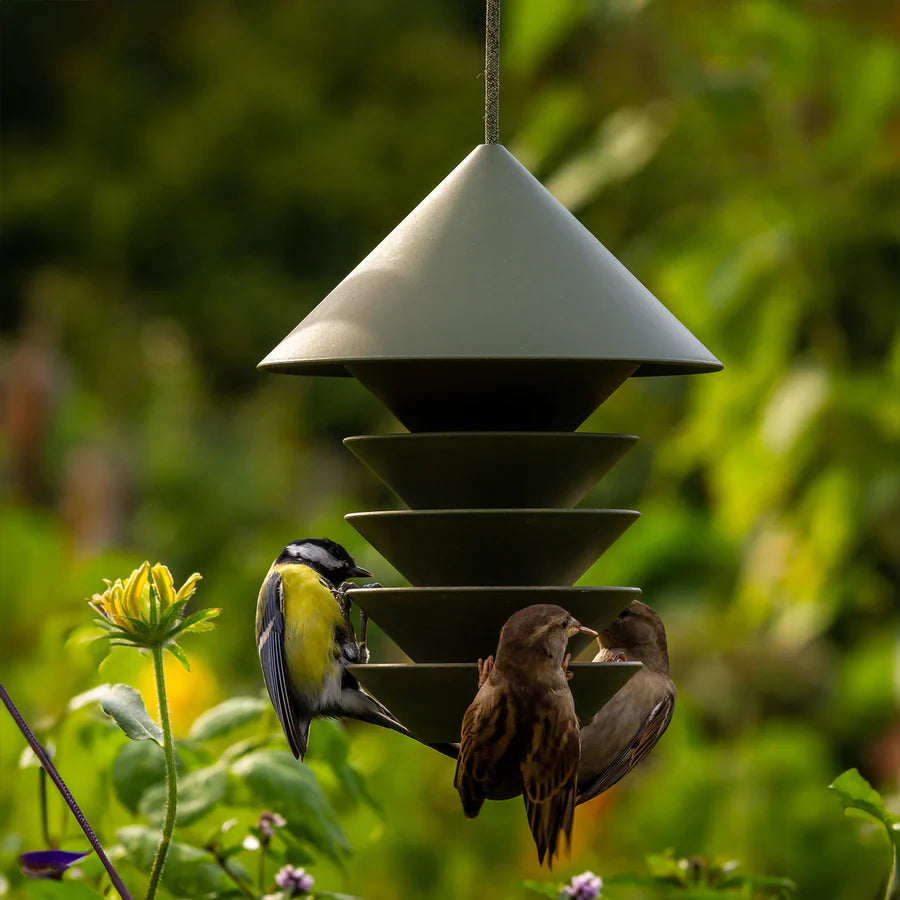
{"type": "Point", "coordinates": [492, 324]}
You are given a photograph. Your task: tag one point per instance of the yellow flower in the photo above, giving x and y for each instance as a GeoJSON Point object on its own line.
{"type": "Point", "coordinates": [147, 611]}
{"type": "Point", "coordinates": [122, 603]}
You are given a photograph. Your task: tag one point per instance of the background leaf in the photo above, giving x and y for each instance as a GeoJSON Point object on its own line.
{"type": "Point", "coordinates": [138, 766]}
{"type": "Point", "coordinates": [198, 792]}
{"type": "Point", "coordinates": [124, 704]}
{"type": "Point", "coordinates": [856, 793]}
{"type": "Point", "coordinates": [34, 889]}
{"type": "Point", "coordinates": [189, 873]}
{"type": "Point", "coordinates": [228, 716]}
{"type": "Point", "coordinates": [282, 784]}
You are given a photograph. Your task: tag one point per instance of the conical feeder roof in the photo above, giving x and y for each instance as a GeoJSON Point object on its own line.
{"type": "Point", "coordinates": [489, 270]}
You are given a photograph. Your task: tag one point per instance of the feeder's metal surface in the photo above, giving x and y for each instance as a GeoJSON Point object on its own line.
{"type": "Point", "coordinates": [489, 266]}
{"type": "Point", "coordinates": [431, 698]}
{"type": "Point", "coordinates": [513, 395]}
{"type": "Point", "coordinates": [491, 469]}
{"type": "Point", "coordinates": [492, 547]}
{"type": "Point", "coordinates": [441, 624]}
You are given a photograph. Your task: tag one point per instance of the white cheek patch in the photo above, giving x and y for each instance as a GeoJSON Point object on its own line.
{"type": "Point", "coordinates": [315, 554]}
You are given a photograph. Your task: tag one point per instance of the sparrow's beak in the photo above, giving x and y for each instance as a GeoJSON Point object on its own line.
{"type": "Point", "coordinates": [575, 627]}
{"type": "Point", "coordinates": [359, 572]}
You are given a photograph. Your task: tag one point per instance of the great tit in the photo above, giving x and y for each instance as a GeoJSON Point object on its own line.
{"type": "Point", "coordinates": [305, 641]}
{"type": "Point", "coordinates": [629, 726]}
{"type": "Point", "coordinates": [520, 733]}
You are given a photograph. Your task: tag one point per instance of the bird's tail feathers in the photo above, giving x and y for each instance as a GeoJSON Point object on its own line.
{"type": "Point", "coordinates": [472, 801]}
{"type": "Point", "coordinates": [547, 819]}
{"type": "Point", "coordinates": [297, 732]}
{"type": "Point", "coordinates": [357, 704]}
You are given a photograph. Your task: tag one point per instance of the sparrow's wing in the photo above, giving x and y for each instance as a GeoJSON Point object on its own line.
{"type": "Point", "coordinates": [270, 642]}
{"type": "Point", "coordinates": [488, 727]}
{"type": "Point", "coordinates": [644, 740]}
{"type": "Point", "coordinates": [550, 774]}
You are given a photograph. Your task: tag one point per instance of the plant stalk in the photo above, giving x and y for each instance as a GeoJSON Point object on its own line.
{"type": "Point", "coordinates": [893, 888]}
{"type": "Point", "coordinates": [45, 819]}
{"type": "Point", "coordinates": [171, 779]}
{"type": "Point", "coordinates": [47, 763]}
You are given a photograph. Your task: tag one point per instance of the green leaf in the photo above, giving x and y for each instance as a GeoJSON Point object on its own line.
{"type": "Point", "coordinates": [198, 793]}
{"type": "Point", "coordinates": [328, 895]}
{"type": "Point", "coordinates": [280, 783]}
{"type": "Point", "coordinates": [124, 704]}
{"type": "Point", "coordinates": [179, 654]}
{"type": "Point", "coordinates": [169, 619]}
{"type": "Point", "coordinates": [545, 889]}
{"type": "Point", "coordinates": [856, 793]}
{"type": "Point", "coordinates": [227, 717]}
{"type": "Point", "coordinates": [198, 622]}
{"type": "Point", "coordinates": [295, 852]}
{"type": "Point", "coordinates": [41, 889]}
{"type": "Point", "coordinates": [139, 766]}
{"type": "Point", "coordinates": [189, 872]}
{"type": "Point", "coordinates": [332, 745]}
{"type": "Point", "coordinates": [94, 695]}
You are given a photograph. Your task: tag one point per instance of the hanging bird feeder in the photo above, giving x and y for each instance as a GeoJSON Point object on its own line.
{"type": "Point", "coordinates": [491, 323]}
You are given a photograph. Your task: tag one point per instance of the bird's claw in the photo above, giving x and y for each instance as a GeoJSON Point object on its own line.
{"type": "Point", "coordinates": [565, 666]}
{"type": "Point", "coordinates": [485, 667]}
{"type": "Point", "coordinates": [607, 655]}
{"type": "Point", "coordinates": [344, 603]}
{"type": "Point", "coordinates": [363, 629]}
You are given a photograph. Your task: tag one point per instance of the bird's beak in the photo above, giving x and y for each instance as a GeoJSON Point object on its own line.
{"type": "Point", "coordinates": [575, 627]}
{"type": "Point", "coordinates": [359, 572]}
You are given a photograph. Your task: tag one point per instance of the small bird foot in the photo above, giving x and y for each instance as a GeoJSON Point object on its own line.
{"type": "Point", "coordinates": [344, 603]}
{"type": "Point", "coordinates": [565, 666]}
{"type": "Point", "coordinates": [485, 667]}
{"type": "Point", "coordinates": [607, 655]}
{"type": "Point", "coordinates": [363, 629]}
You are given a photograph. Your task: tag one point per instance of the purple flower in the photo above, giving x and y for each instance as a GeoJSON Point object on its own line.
{"type": "Point", "coordinates": [585, 886]}
{"type": "Point", "coordinates": [268, 822]}
{"type": "Point", "coordinates": [48, 863]}
{"type": "Point", "coordinates": [294, 880]}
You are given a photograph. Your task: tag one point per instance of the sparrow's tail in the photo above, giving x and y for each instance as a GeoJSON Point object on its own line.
{"type": "Point", "coordinates": [547, 819]}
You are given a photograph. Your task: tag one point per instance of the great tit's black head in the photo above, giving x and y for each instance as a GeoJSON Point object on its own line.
{"type": "Point", "coordinates": [637, 630]}
{"type": "Point", "coordinates": [329, 559]}
{"type": "Point", "coordinates": [542, 630]}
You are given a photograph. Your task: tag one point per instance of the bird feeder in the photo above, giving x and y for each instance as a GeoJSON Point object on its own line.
{"type": "Point", "coordinates": [491, 323]}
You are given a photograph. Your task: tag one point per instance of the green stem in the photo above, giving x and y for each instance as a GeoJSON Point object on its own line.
{"type": "Point", "coordinates": [45, 821]}
{"type": "Point", "coordinates": [56, 778]}
{"type": "Point", "coordinates": [893, 888]}
{"type": "Point", "coordinates": [171, 780]}
{"type": "Point", "coordinates": [222, 862]}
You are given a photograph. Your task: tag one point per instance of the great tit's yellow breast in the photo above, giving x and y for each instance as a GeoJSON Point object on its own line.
{"type": "Point", "coordinates": [311, 615]}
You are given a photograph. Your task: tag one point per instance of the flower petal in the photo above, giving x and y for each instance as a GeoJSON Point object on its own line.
{"type": "Point", "coordinates": [188, 588]}
{"type": "Point", "coordinates": [134, 588]}
{"type": "Point", "coordinates": [165, 589]}
{"type": "Point", "coordinates": [48, 863]}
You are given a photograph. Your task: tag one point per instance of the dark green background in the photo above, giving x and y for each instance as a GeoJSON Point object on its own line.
{"type": "Point", "coordinates": [183, 182]}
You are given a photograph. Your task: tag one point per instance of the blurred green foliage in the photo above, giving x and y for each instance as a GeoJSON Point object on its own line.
{"type": "Point", "coordinates": [182, 183]}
